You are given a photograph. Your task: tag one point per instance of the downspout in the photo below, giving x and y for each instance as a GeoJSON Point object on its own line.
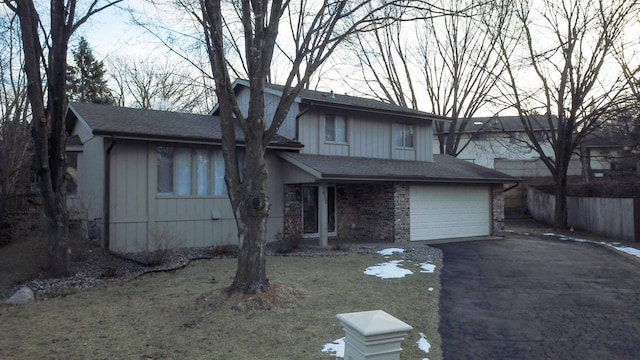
{"type": "Point", "coordinates": [107, 186]}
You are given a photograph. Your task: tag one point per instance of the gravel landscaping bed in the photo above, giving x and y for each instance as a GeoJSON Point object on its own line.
{"type": "Point", "coordinates": [102, 267]}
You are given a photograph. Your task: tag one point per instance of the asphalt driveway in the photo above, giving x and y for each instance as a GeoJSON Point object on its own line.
{"type": "Point", "coordinates": [527, 297]}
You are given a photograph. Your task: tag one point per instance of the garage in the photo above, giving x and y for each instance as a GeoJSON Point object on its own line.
{"type": "Point", "coordinates": [448, 211]}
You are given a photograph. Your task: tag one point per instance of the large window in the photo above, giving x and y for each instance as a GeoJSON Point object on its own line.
{"type": "Point", "coordinates": [335, 128]}
{"type": "Point", "coordinates": [403, 135]}
{"type": "Point", "coordinates": [185, 171]}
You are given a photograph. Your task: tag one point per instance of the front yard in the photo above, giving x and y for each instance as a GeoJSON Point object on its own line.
{"type": "Point", "coordinates": [184, 314]}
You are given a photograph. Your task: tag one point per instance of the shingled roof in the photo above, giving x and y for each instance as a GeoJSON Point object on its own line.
{"type": "Point", "coordinates": [335, 100]}
{"type": "Point", "coordinates": [504, 124]}
{"type": "Point", "coordinates": [444, 168]}
{"type": "Point", "coordinates": [155, 124]}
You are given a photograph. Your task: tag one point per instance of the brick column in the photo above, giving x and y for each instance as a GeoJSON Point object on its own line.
{"type": "Point", "coordinates": [401, 201]}
{"type": "Point", "coordinates": [497, 209]}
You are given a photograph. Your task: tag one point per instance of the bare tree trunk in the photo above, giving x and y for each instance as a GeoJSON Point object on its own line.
{"type": "Point", "coordinates": [48, 125]}
{"type": "Point", "coordinates": [560, 210]}
{"type": "Point", "coordinates": [560, 176]}
{"type": "Point", "coordinates": [251, 276]}
{"type": "Point", "coordinates": [585, 162]}
{"type": "Point", "coordinates": [251, 205]}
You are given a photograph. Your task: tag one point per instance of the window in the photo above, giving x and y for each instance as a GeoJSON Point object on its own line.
{"type": "Point", "coordinates": [184, 171]}
{"type": "Point", "coordinates": [72, 173]}
{"type": "Point", "coordinates": [403, 135]}
{"type": "Point", "coordinates": [335, 128]}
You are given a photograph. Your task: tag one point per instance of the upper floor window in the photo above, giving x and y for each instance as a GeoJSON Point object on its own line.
{"type": "Point", "coordinates": [335, 128]}
{"type": "Point", "coordinates": [403, 135]}
{"type": "Point", "coordinates": [185, 171]}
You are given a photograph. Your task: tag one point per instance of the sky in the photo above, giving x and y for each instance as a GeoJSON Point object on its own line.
{"type": "Point", "coordinates": [392, 269]}
{"type": "Point", "coordinates": [112, 33]}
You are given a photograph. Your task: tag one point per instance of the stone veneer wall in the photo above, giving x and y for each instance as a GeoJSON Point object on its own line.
{"type": "Point", "coordinates": [366, 212]}
{"type": "Point", "coordinates": [497, 209]}
{"type": "Point", "coordinates": [374, 212]}
{"type": "Point", "coordinates": [402, 201]}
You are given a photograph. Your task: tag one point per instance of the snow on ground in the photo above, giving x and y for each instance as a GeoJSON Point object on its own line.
{"type": "Point", "coordinates": [423, 344]}
{"type": "Point", "coordinates": [392, 269]}
{"type": "Point", "coordinates": [335, 348]}
{"type": "Point", "coordinates": [427, 267]}
{"type": "Point", "coordinates": [388, 270]}
{"type": "Point", "coordinates": [625, 249]}
{"type": "Point", "coordinates": [390, 251]}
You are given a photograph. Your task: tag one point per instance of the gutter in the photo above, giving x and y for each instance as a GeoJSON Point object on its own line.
{"type": "Point", "coordinates": [107, 187]}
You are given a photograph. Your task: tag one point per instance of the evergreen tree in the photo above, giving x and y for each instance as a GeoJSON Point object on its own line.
{"type": "Point", "coordinates": [86, 82]}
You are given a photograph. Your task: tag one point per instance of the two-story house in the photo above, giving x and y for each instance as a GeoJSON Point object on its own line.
{"type": "Point", "coordinates": [341, 167]}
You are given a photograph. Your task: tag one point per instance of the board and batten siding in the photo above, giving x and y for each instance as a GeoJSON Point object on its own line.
{"type": "Point", "coordinates": [271, 101]}
{"type": "Point", "coordinates": [368, 136]}
{"type": "Point", "coordinates": [89, 202]}
{"type": "Point", "coordinates": [142, 220]}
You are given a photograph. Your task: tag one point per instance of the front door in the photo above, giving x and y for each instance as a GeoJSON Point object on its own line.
{"type": "Point", "coordinates": [311, 210]}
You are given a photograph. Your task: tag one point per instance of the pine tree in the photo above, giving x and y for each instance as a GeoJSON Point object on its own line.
{"type": "Point", "coordinates": [86, 82]}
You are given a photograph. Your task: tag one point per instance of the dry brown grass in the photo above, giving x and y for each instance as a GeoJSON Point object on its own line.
{"type": "Point", "coordinates": [186, 315]}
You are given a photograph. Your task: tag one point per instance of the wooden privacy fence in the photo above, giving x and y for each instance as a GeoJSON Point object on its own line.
{"type": "Point", "coordinates": [618, 218]}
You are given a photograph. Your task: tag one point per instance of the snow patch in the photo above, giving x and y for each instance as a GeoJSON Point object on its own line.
{"type": "Point", "coordinates": [430, 289]}
{"type": "Point", "coordinates": [427, 267]}
{"type": "Point", "coordinates": [616, 245]}
{"type": "Point", "coordinates": [625, 249]}
{"type": "Point", "coordinates": [423, 344]}
{"type": "Point", "coordinates": [335, 348]}
{"type": "Point", "coordinates": [389, 270]}
{"type": "Point", "coordinates": [390, 251]}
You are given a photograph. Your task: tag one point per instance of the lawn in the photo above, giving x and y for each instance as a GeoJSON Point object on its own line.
{"type": "Point", "coordinates": [184, 314]}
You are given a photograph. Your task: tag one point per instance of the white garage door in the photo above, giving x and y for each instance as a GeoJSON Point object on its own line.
{"type": "Point", "coordinates": [441, 212]}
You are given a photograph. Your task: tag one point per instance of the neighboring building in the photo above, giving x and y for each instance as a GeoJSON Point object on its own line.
{"type": "Point", "coordinates": [342, 167]}
{"type": "Point", "coordinates": [488, 139]}
{"type": "Point", "coordinates": [501, 143]}
{"type": "Point", "coordinates": [609, 155]}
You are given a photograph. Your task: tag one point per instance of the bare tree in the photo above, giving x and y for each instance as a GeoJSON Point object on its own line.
{"type": "Point", "coordinates": [322, 27]}
{"type": "Point", "coordinates": [566, 47]}
{"type": "Point", "coordinates": [160, 85]}
{"type": "Point", "coordinates": [49, 105]}
{"type": "Point", "coordinates": [15, 141]}
{"type": "Point", "coordinates": [446, 63]}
